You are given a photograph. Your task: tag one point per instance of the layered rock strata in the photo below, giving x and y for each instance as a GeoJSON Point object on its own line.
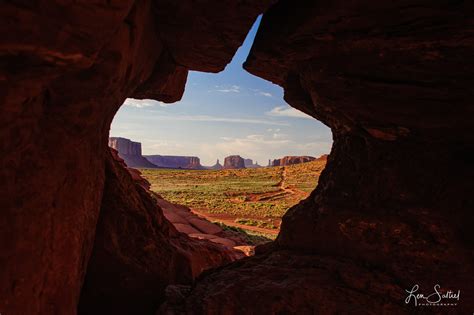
{"type": "Point", "coordinates": [234, 162]}
{"type": "Point", "coordinates": [290, 160]}
{"type": "Point", "coordinates": [130, 152]}
{"type": "Point", "coordinates": [170, 161]}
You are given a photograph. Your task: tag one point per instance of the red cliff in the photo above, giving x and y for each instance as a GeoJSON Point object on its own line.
{"type": "Point", "coordinates": [392, 209]}
{"type": "Point", "coordinates": [289, 160]}
{"type": "Point", "coordinates": [234, 162]}
{"type": "Point", "coordinates": [169, 161]}
{"type": "Point", "coordinates": [130, 152]}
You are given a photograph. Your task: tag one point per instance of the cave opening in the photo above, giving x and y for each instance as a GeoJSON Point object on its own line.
{"type": "Point", "coordinates": [205, 156]}
{"type": "Point", "coordinates": [80, 233]}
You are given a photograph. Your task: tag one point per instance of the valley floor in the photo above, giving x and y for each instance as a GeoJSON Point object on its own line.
{"type": "Point", "coordinates": [250, 199]}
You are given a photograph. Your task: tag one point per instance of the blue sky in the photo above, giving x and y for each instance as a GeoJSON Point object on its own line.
{"type": "Point", "coordinates": [232, 112]}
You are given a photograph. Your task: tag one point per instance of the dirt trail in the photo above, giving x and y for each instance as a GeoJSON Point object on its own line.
{"type": "Point", "coordinates": [230, 221]}
{"type": "Point", "coordinates": [283, 184]}
{"type": "Point", "coordinates": [283, 191]}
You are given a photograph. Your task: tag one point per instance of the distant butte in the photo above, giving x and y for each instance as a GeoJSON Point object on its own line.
{"type": "Point", "coordinates": [234, 162]}
{"type": "Point", "coordinates": [130, 152]}
{"type": "Point", "coordinates": [289, 160]}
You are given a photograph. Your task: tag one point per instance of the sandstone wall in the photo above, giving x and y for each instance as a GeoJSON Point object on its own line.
{"type": "Point", "coordinates": [125, 146]}
{"type": "Point", "coordinates": [392, 209]}
{"type": "Point", "coordinates": [65, 70]}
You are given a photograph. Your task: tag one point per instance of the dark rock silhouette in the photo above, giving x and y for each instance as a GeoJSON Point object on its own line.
{"type": "Point", "coordinates": [393, 208]}
{"type": "Point", "coordinates": [126, 254]}
{"type": "Point", "coordinates": [394, 82]}
{"type": "Point", "coordinates": [65, 70]}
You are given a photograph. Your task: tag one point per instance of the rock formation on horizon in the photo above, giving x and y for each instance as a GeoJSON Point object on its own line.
{"type": "Point", "coordinates": [131, 152]}
{"type": "Point", "coordinates": [290, 160]}
{"type": "Point", "coordinates": [249, 163]}
{"type": "Point", "coordinates": [234, 162]}
{"type": "Point", "coordinates": [175, 161]}
{"type": "Point", "coordinates": [217, 166]}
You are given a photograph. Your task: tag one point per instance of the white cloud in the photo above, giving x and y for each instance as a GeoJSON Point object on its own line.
{"type": "Point", "coordinates": [319, 147]}
{"type": "Point", "coordinates": [262, 93]}
{"type": "Point", "coordinates": [228, 89]}
{"type": "Point", "coordinates": [161, 144]}
{"type": "Point", "coordinates": [207, 118]}
{"type": "Point", "coordinates": [279, 136]}
{"type": "Point", "coordinates": [144, 103]}
{"type": "Point", "coordinates": [258, 138]}
{"type": "Point", "coordinates": [265, 94]}
{"type": "Point", "coordinates": [251, 145]}
{"type": "Point", "coordinates": [286, 111]}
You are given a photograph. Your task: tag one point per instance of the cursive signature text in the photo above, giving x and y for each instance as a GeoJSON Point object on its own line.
{"type": "Point", "coordinates": [435, 297]}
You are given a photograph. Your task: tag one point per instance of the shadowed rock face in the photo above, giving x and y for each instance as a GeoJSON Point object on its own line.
{"type": "Point", "coordinates": [127, 272]}
{"type": "Point", "coordinates": [393, 208]}
{"type": "Point", "coordinates": [393, 81]}
{"type": "Point", "coordinates": [65, 69]}
{"type": "Point", "coordinates": [234, 162]}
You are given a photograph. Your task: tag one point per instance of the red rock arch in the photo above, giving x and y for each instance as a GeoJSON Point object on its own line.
{"type": "Point", "coordinates": [393, 207]}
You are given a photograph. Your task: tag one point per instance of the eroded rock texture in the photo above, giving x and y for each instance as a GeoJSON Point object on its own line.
{"type": "Point", "coordinates": [234, 162]}
{"type": "Point", "coordinates": [290, 160]}
{"type": "Point", "coordinates": [393, 207]}
{"type": "Point", "coordinates": [65, 68]}
{"type": "Point", "coordinates": [170, 161]}
{"type": "Point", "coordinates": [137, 252]}
{"type": "Point", "coordinates": [130, 152]}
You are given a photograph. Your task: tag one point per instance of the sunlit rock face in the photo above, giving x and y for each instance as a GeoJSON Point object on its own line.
{"type": "Point", "coordinates": [125, 146]}
{"type": "Point", "coordinates": [65, 70]}
{"type": "Point", "coordinates": [130, 152]}
{"type": "Point", "coordinates": [393, 80]}
{"type": "Point", "coordinates": [290, 160]}
{"type": "Point", "coordinates": [171, 161]}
